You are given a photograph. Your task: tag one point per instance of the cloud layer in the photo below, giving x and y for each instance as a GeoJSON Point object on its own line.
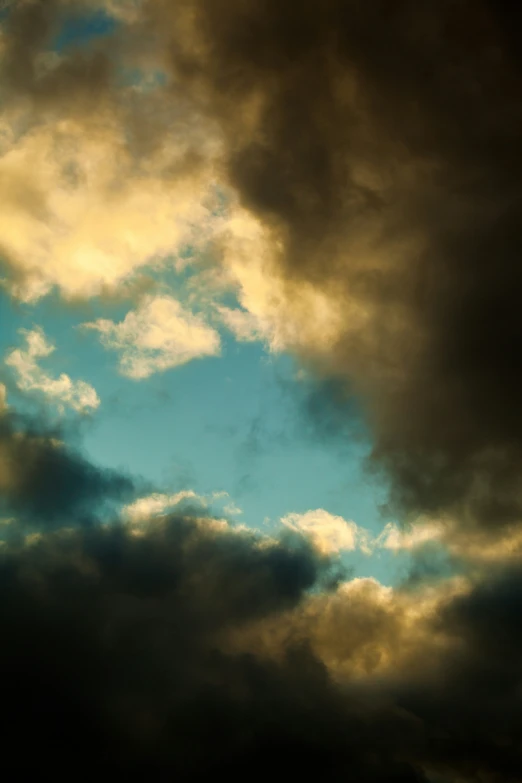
{"type": "Point", "coordinates": [350, 174]}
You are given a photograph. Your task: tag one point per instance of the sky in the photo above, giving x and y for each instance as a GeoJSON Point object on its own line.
{"type": "Point", "coordinates": [260, 440]}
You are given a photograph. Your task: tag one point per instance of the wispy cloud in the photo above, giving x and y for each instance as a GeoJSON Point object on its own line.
{"type": "Point", "coordinates": [244, 325]}
{"type": "Point", "coordinates": [159, 335]}
{"type": "Point", "coordinates": [62, 391]}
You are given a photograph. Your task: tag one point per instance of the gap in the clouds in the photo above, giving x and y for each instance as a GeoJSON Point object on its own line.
{"type": "Point", "coordinates": [79, 29]}
{"type": "Point", "coordinates": [236, 423]}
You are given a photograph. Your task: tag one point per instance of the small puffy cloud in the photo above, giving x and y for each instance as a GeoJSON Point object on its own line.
{"type": "Point", "coordinates": [63, 391]}
{"type": "Point", "coordinates": [419, 534]}
{"type": "Point", "coordinates": [231, 509]}
{"type": "Point", "coordinates": [158, 335]}
{"type": "Point", "coordinates": [330, 534]}
{"type": "Point", "coordinates": [156, 504]}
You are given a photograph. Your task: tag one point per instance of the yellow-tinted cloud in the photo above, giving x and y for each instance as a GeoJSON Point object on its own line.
{"type": "Point", "coordinates": [329, 534]}
{"type": "Point", "coordinates": [62, 391]}
{"type": "Point", "coordinates": [243, 324]}
{"type": "Point", "coordinates": [3, 398]}
{"type": "Point", "coordinates": [158, 335]}
{"type": "Point", "coordinates": [156, 504]}
{"type": "Point", "coordinates": [392, 537]}
{"type": "Point", "coordinates": [82, 213]}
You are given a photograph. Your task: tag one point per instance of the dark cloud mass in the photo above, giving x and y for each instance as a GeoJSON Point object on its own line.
{"type": "Point", "coordinates": [379, 143]}
{"type": "Point", "coordinates": [385, 155]}
{"type": "Point", "coordinates": [118, 656]}
{"type": "Point", "coordinates": [46, 484]}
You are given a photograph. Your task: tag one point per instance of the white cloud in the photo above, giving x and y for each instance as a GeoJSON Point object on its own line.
{"type": "Point", "coordinates": [231, 509]}
{"type": "Point", "coordinates": [63, 391]}
{"type": "Point", "coordinates": [420, 533]}
{"type": "Point", "coordinates": [157, 504]}
{"type": "Point", "coordinates": [157, 336]}
{"type": "Point", "coordinates": [148, 512]}
{"type": "Point", "coordinates": [330, 534]}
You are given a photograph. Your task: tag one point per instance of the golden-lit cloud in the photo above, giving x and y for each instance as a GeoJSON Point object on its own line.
{"type": "Point", "coordinates": [62, 391]}
{"type": "Point", "coordinates": [157, 504]}
{"type": "Point", "coordinates": [159, 335]}
{"type": "Point", "coordinates": [81, 214]}
{"type": "Point", "coordinates": [330, 534]}
{"type": "Point", "coordinates": [3, 399]}
{"type": "Point", "coordinates": [420, 533]}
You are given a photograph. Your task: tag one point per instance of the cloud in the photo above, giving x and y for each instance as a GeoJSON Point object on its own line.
{"type": "Point", "coordinates": [3, 399]}
{"type": "Point", "coordinates": [392, 537]}
{"type": "Point", "coordinates": [135, 640]}
{"type": "Point", "coordinates": [231, 509]}
{"type": "Point", "coordinates": [241, 323]}
{"type": "Point", "coordinates": [330, 534]}
{"type": "Point", "coordinates": [370, 153]}
{"type": "Point", "coordinates": [198, 633]}
{"type": "Point", "coordinates": [81, 214]}
{"type": "Point", "coordinates": [364, 208]}
{"type": "Point", "coordinates": [99, 176]}
{"type": "Point", "coordinates": [158, 503]}
{"type": "Point", "coordinates": [62, 391]}
{"type": "Point", "coordinates": [158, 335]}
{"type": "Point", "coordinates": [45, 483]}
{"type": "Point", "coordinates": [372, 207]}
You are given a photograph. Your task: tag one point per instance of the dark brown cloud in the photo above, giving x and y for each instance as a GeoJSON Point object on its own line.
{"type": "Point", "coordinates": [180, 646]}
{"type": "Point", "coordinates": [384, 153]}
{"type": "Point", "coordinates": [120, 653]}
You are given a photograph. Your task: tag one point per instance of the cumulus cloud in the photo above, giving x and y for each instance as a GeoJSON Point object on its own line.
{"type": "Point", "coordinates": [61, 391]}
{"type": "Point", "coordinates": [99, 174]}
{"type": "Point", "coordinates": [158, 335]}
{"type": "Point", "coordinates": [330, 534]}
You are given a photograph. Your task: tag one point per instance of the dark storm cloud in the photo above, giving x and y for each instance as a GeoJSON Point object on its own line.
{"type": "Point", "coordinates": [45, 483]}
{"type": "Point", "coordinates": [112, 649]}
{"type": "Point", "coordinates": [116, 655]}
{"type": "Point", "coordinates": [130, 647]}
{"type": "Point", "coordinates": [469, 698]}
{"type": "Point", "coordinates": [385, 155]}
